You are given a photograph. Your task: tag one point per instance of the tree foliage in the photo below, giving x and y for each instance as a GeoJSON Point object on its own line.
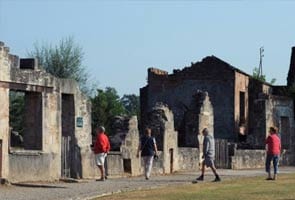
{"type": "Point", "coordinates": [105, 105]}
{"type": "Point", "coordinates": [131, 104]}
{"type": "Point", "coordinates": [261, 77]}
{"type": "Point", "coordinates": [63, 60]}
{"type": "Point", "coordinates": [16, 111]}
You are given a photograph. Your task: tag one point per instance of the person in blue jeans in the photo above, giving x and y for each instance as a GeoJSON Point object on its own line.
{"type": "Point", "coordinates": [273, 146]}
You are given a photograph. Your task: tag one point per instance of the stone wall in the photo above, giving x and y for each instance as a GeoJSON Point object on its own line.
{"type": "Point", "coordinates": [291, 73]}
{"type": "Point", "coordinates": [177, 90]}
{"type": "Point", "coordinates": [248, 159]}
{"type": "Point", "coordinates": [251, 159]}
{"type": "Point", "coordinates": [279, 113]}
{"type": "Point", "coordinates": [4, 130]}
{"type": "Point", "coordinates": [180, 98]}
{"type": "Point", "coordinates": [161, 121]}
{"type": "Point", "coordinates": [241, 105]}
{"type": "Point", "coordinates": [32, 166]}
{"type": "Point", "coordinates": [34, 80]}
{"type": "Point", "coordinates": [258, 93]}
{"type": "Point", "coordinates": [115, 165]}
{"type": "Point", "coordinates": [188, 159]}
{"type": "Point", "coordinates": [129, 147]}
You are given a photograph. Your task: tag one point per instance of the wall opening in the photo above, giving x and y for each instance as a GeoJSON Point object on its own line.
{"type": "Point", "coordinates": [285, 132]}
{"type": "Point", "coordinates": [70, 152]}
{"type": "Point", "coordinates": [171, 160]}
{"type": "Point", "coordinates": [242, 107]}
{"type": "Point", "coordinates": [127, 165]}
{"type": "Point", "coordinates": [25, 120]}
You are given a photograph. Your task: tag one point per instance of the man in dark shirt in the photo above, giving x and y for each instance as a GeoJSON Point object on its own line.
{"type": "Point", "coordinates": [148, 148]}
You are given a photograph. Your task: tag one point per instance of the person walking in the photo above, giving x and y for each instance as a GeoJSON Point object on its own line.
{"type": "Point", "coordinates": [148, 148]}
{"type": "Point", "coordinates": [273, 148]}
{"type": "Point", "coordinates": [101, 149]}
{"type": "Point", "coordinates": [208, 155]}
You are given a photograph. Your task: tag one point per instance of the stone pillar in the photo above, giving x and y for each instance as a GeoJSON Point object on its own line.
{"type": "Point", "coordinates": [4, 62]}
{"type": "Point", "coordinates": [129, 146]}
{"type": "Point", "coordinates": [4, 111]}
{"type": "Point", "coordinates": [4, 131]}
{"type": "Point", "coordinates": [206, 118]}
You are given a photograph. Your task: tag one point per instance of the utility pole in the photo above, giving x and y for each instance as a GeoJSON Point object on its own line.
{"type": "Point", "coordinates": [261, 55]}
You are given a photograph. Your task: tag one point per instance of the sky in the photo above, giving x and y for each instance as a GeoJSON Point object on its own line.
{"type": "Point", "coordinates": [122, 39]}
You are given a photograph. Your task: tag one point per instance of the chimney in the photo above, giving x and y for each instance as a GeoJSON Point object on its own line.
{"type": "Point", "coordinates": [291, 73]}
{"type": "Point", "coordinates": [28, 63]}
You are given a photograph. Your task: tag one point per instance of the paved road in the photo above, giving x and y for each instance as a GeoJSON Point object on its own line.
{"type": "Point", "coordinates": [90, 188]}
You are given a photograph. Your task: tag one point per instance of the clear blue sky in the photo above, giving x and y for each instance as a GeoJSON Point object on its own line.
{"type": "Point", "coordinates": [121, 39]}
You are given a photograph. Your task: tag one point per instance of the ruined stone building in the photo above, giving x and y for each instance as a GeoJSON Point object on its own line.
{"type": "Point", "coordinates": [45, 122]}
{"type": "Point", "coordinates": [243, 107]}
{"type": "Point", "coordinates": [171, 157]}
{"type": "Point", "coordinates": [50, 136]}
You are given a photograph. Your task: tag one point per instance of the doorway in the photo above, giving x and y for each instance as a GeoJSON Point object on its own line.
{"type": "Point", "coordinates": [171, 160]}
{"type": "Point", "coordinates": [285, 132]}
{"type": "Point", "coordinates": [68, 136]}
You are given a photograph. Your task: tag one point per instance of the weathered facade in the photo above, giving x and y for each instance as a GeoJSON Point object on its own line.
{"type": "Point", "coordinates": [223, 83]}
{"type": "Point", "coordinates": [171, 157]}
{"type": "Point", "coordinates": [56, 135]}
{"type": "Point", "coordinates": [244, 108]}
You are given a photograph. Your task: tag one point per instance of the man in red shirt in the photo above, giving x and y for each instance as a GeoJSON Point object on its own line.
{"type": "Point", "coordinates": [273, 143]}
{"type": "Point", "coordinates": [101, 149]}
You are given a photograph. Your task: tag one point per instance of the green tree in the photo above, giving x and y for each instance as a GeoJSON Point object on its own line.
{"type": "Point", "coordinates": [261, 78]}
{"type": "Point", "coordinates": [63, 60]}
{"type": "Point", "coordinates": [16, 111]}
{"type": "Point", "coordinates": [131, 104]}
{"type": "Point", "coordinates": [105, 105]}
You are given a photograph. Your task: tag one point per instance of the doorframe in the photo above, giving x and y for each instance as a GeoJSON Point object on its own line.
{"type": "Point", "coordinates": [1, 157]}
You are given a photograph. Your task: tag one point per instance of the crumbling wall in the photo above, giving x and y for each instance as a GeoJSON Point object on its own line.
{"type": "Point", "coordinates": [188, 159]}
{"type": "Point", "coordinates": [161, 121]}
{"type": "Point", "coordinates": [179, 101]}
{"type": "Point", "coordinates": [241, 102]}
{"type": "Point", "coordinates": [84, 164]}
{"type": "Point", "coordinates": [279, 113]}
{"type": "Point", "coordinates": [4, 111]}
{"type": "Point", "coordinates": [248, 159]}
{"type": "Point", "coordinates": [258, 93]}
{"type": "Point", "coordinates": [4, 130]}
{"type": "Point", "coordinates": [177, 90]}
{"type": "Point", "coordinates": [129, 145]}
{"type": "Point", "coordinates": [26, 76]}
{"type": "Point", "coordinates": [291, 73]}
{"type": "Point", "coordinates": [205, 115]}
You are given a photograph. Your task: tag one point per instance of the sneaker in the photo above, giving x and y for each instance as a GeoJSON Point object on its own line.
{"type": "Point", "coordinates": [269, 179]}
{"type": "Point", "coordinates": [201, 178]}
{"type": "Point", "coordinates": [194, 181]}
{"type": "Point", "coordinates": [146, 178]}
{"type": "Point", "coordinates": [217, 179]}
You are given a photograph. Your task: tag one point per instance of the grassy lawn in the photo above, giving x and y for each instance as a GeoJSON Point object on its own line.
{"type": "Point", "coordinates": [238, 189]}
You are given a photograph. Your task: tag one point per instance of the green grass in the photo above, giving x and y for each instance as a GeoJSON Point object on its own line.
{"type": "Point", "coordinates": [256, 188]}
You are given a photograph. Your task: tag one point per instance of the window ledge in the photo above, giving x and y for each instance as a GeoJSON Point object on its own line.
{"type": "Point", "coordinates": [23, 152]}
